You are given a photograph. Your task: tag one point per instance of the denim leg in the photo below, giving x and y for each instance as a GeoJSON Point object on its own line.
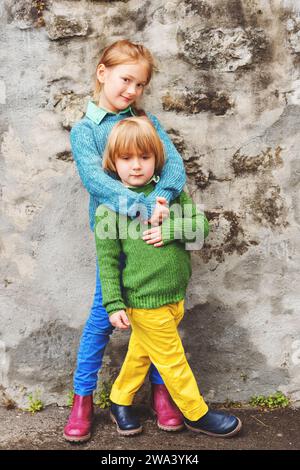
{"type": "Point", "coordinates": [94, 339]}
{"type": "Point", "coordinates": [154, 375]}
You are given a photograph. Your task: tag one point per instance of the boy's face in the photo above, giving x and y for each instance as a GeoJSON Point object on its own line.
{"type": "Point", "coordinates": [122, 85]}
{"type": "Point", "coordinates": [135, 168]}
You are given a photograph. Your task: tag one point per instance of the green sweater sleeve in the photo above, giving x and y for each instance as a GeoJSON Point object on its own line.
{"type": "Point", "coordinates": [108, 248]}
{"type": "Point", "coordinates": [186, 223]}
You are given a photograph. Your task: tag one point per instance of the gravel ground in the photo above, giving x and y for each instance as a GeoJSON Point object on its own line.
{"type": "Point", "coordinates": [19, 430]}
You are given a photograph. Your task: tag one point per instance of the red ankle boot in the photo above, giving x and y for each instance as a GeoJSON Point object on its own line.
{"type": "Point", "coordinates": [169, 417]}
{"type": "Point", "coordinates": [78, 427]}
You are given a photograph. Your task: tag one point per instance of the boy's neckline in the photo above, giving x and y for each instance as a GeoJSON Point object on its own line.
{"type": "Point", "coordinates": [154, 178]}
{"type": "Point", "coordinates": [149, 185]}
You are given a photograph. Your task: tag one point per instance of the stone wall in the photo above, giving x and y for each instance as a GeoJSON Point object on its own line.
{"type": "Point", "coordinates": [228, 92]}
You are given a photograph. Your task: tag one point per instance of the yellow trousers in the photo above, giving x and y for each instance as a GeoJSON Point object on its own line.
{"type": "Point", "coordinates": [155, 339]}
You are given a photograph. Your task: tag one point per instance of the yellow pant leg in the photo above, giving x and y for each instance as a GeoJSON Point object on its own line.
{"type": "Point", "coordinates": [132, 374]}
{"type": "Point", "coordinates": [156, 330]}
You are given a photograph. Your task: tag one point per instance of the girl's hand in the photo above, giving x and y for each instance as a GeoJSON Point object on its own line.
{"type": "Point", "coordinates": [160, 212]}
{"type": "Point", "coordinates": [119, 320]}
{"type": "Point", "coordinates": [153, 236]}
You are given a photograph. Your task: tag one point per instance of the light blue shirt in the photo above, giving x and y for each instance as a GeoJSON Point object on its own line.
{"type": "Point", "coordinates": [97, 114]}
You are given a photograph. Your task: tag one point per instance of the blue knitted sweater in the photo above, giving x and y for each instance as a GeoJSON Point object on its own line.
{"type": "Point", "coordinates": [88, 140]}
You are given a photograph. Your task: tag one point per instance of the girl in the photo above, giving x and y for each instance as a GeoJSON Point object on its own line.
{"type": "Point", "coordinates": [123, 72]}
{"type": "Point", "coordinates": [154, 281]}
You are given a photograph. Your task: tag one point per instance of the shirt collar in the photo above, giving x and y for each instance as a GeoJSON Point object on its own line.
{"type": "Point", "coordinates": [97, 114]}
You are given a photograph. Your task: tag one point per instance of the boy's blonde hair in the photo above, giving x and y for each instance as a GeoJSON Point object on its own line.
{"type": "Point", "coordinates": [131, 135]}
{"type": "Point", "coordinates": [124, 52]}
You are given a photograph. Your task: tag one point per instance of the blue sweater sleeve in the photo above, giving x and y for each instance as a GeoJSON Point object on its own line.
{"type": "Point", "coordinates": [172, 178]}
{"type": "Point", "coordinates": [105, 188]}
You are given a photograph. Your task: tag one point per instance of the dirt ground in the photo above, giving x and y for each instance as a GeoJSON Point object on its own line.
{"type": "Point", "coordinates": [272, 430]}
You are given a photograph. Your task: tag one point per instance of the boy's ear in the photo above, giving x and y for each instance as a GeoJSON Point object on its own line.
{"type": "Point", "coordinates": [101, 70]}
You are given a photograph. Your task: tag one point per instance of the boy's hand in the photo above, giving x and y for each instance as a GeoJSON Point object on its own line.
{"type": "Point", "coordinates": [160, 212]}
{"type": "Point", "coordinates": [153, 236]}
{"type": "Point", "coordinates": [119, 320]}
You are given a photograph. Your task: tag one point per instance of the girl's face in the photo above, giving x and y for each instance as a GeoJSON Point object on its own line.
{"type": "Point", "coordinates": [135, 168]}
{"type": "Point", "coordinates": [122, 85]}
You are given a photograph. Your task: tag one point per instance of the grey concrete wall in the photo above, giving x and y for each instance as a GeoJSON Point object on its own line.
{"type": "Point", "coordinates": [228, 92]}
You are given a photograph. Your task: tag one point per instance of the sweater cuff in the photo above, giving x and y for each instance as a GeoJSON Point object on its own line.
{"type": "Point", "coordinates": [151, 200]}
{"type": "Point", "coordinates": [139, 209]}
{"type": "Point", "coordinates": [167, 231]}
{"type": "Point", "coordinates": [178, 229]}
{"type": "Point", "coordinates": [150, 205]}
{"type": "Point", "coordinates": [114, 307]}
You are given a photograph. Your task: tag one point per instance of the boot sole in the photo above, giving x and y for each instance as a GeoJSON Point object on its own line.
{"type": "Point", "coordinates": [229, 434]}
{"type": "Point", "coordinates": [130, 432]}
{"type": "Point", "coordinates": [77, 439]}
{"type": "Point", "coordinates": [167, 428]}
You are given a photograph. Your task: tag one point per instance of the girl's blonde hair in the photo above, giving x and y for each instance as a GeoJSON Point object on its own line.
{"type": "Point", "coordinates": [131, 135]}
{"type": "Point", "coordinates": [124, 52]}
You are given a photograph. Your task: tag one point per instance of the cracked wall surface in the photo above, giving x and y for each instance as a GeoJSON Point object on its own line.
{"type": "Point", "coordinates": [228, 92]}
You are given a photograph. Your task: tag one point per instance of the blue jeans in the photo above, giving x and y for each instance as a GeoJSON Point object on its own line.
{"type": "Point", "coordinates": [93, 342]}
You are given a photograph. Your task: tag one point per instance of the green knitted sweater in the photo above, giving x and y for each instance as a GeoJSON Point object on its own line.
{"type": "Point", "coordinates": [152, 276]}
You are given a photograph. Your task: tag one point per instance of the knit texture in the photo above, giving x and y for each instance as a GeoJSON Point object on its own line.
{"type": "Point", "coordinates": [152, 276]}
{"type": "Point", "coordinates": [88, 140]}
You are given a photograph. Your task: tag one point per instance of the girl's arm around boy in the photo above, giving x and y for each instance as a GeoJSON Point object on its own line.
{"type": "Point", "coordinates": [172, 178]}
{"type": "Point", "coordinates": [109, 190]}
